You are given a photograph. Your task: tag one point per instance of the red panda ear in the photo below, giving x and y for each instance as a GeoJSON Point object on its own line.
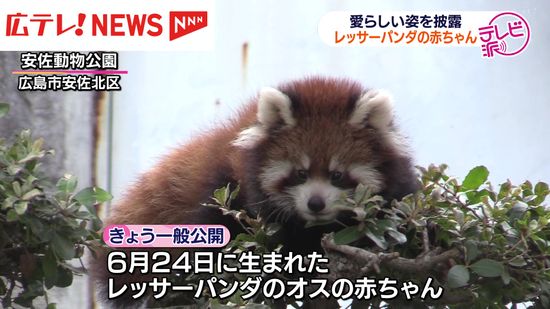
{"type": "Point", "coordinates": [374, 108]}
{"type": "Point", "coordinates": [274, 108]}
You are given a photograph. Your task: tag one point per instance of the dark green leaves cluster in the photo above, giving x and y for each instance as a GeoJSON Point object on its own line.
{"type": "Point", "coordinates": [378, 223]}
{"type": "Point", "coordinates": [258, 236]}
{"type": "Point", "coordinates": [502, 233]}
{"type": "Point", "coordinates": [42, 227]}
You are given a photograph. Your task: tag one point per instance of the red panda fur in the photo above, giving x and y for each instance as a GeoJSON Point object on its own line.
{"type": "Point", "coordinates": [318, 122]}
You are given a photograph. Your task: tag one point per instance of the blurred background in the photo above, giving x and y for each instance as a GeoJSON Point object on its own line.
{"type": "Point", "coordinates": [455, 106]}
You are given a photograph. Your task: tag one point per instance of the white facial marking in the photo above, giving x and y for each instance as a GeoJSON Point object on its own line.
{"type": "Point", "coordinates": [334, 165]}
{"type": "Point", "coordinates": [273, 106]}
{"type": "Point", "coordinates": [250, 137]}
{"type": "Point", "coordinates": [273, 173]}
{"type": "Point", "coordinates": [306, 162]}
{"type": "Point", "coordinates": [368, 176]}
{"type": "Point", "coordinates": [321, 188]}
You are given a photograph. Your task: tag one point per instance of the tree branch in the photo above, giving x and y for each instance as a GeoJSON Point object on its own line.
{"type": "Point", "coordinates": [422, 265]}
{"type": "Point", "coordinates": [347, 260]}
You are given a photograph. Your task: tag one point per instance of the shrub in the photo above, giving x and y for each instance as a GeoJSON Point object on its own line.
{"type": "Point", "coordinates": [42, 227]}
{"type": "Point", "coordinates": [486, 246]}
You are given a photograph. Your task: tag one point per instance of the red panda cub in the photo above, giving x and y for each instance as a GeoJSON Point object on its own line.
{"type": "Point", "coordinates": [294, 150]}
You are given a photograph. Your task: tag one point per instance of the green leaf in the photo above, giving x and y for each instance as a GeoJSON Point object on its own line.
{"type": "Point", "coordinates": [243, 237]}
{"type": "Point", "coordinates": [14, 169]}
{"type": "Point", "coordinates": [518, 261]}
{"type": "Point", "coordinates": [361, 193]}
{"type": "Point", "coordinates": [11, 216]}
{"type": "Point", "coordinates": [506, 278]}
{"type": "Point", "coordinates": [37, 228]}
{"type": "Point", "coordinates": [458, 276]}
{"type": "Point", "coordinates": [92, 196]}
{"type": "Point", "coordinates": [517, 211]}
{"type": "Point", "coordinates": [347, 235]}
{"type": "Point", "coordinates": [404, 207]}
{"type": "Point", "coordinates": [379, 240]}
{"type": "Point", "coordinates": [49, 266]}
{"type": "Point", "coordinates": [21, 207]}
{"type": "Point", "coordinates": [272, 228]}
{"type": "Point", "coordinates": [541, 190]}
{"type": "Point", "coordinates": [260, 237]}
{"type": "Point", "coordinates": [398, 236]}
{"type": "Point", "coordinates": [504, 189]}
{"type": "Point", "coordinates": [234, 193]}
{"type": "Point", "coordinates": [31, 194]}
{"type": "Point", "coordinates": [472, 251]}
{"type": "Point", "coordinates": [419, 223]}
{"type": "Point", "coordinates": [51, 306]}
{"type": "Point", "coordinates": [62, 247]}
{"type": "Point", "coordinates": [219, 196]}
{"type": "Point", "coordinates": [25, 300]}
{"type": "Point", "coordinates": [16, 188]}
{"type": "Point", "coordinates": [8, 202]}
{"type": "Point", "coordinates": [488, 268]}
{"type": "Point", "coordinates": [67, 184]}
{"type": "Point", "coordinates": [64, 277]}
{"type": "Point", "coordinates": [475, 178]}
{"type": "Point", "coordinates": [475, 197]}
{"type": "Point", "coordinates": [4, 109]}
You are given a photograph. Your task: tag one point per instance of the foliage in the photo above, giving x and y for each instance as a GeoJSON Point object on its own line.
{"type": "Point", "coordinates": [502, 234]}
{"type": "Point", "coordinates": [42, 227]}
{"type": "Point", "coordinates": [500, 237]}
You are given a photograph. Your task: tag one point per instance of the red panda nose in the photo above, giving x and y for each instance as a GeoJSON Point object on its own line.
{"type": "Point", "coordinates": [316, 204]}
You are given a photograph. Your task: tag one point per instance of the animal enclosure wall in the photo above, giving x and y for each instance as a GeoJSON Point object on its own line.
{"type": "Point", "coordinates": [455, 106]}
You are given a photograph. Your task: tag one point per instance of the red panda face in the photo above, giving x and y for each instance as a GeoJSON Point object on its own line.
{"type": "Point", "coordinates": [311, 191]}
{"type": "Point", "coordinates": [315, 141]}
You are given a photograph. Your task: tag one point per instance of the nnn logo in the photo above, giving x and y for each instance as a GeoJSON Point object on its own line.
{"type": "Point", "coordinates": [183, 23]}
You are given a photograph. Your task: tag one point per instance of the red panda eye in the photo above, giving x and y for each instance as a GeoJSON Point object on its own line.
{"type": "Point", "coordinates": [335, 176]}
{"type": "Point", "coordinates": [302, 174]}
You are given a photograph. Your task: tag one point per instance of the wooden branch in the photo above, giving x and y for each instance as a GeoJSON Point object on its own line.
{"type": "Point", "coordinates": [421, 265]}
{"type": "Point", "coordinates": [347, 260]}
